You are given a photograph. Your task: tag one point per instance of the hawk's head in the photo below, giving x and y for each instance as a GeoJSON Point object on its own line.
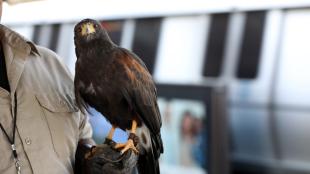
{"type": "Point", "coordinates": [88, 30]}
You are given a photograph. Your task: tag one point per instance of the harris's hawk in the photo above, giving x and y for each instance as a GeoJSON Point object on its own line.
{"type": "Point", "coordinates": [116, 82]}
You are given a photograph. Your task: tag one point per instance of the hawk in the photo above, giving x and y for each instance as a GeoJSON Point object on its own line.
{"type": "Point", "coordinates": [116, 82]}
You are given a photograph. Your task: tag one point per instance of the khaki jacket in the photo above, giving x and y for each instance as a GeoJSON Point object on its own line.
{"type": "Point", "coordinates": [49, 124]}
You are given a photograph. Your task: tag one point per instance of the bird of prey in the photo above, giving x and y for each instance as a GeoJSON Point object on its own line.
{"type": "Point", "coordinates": [116, 82]}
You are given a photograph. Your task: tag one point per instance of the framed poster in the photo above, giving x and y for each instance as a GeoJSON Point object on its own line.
{"type": "Point", "coordinates": [194, 129]}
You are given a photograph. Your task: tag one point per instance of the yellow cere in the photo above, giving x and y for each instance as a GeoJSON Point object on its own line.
{"type": "Point", "coordinates": [88, 28]}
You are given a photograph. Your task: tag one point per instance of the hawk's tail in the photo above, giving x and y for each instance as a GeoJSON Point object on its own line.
{"type": "Point", "coordinates": [151, 148]}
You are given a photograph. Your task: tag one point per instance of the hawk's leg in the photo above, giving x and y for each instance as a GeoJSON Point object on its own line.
{"type": "Point", "coordinates": [130, 143]}
{"type": "Point", "coordinates": [111, 132]}
{"type": "Point", "coordinates": [109, 139]}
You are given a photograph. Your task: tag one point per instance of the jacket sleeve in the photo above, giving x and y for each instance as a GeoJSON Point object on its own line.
{"type": "Point", "coordinates": [85, 129]}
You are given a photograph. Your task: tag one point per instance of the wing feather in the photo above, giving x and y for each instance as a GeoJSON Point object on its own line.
{"type": "Point", "coordinates": [142, 91]}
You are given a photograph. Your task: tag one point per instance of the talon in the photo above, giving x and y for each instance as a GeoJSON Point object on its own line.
{"type": "Point", "coordinates": [127, 146]}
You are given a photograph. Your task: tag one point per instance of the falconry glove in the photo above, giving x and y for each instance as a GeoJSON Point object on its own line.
{"type": "Point", "coordinates": [104, 159]}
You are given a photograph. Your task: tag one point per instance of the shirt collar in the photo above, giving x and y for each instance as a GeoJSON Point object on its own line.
{"type": "Point", "coordinates": [16, 51]}
{"type": "Point", "coordinates": [17, 41]}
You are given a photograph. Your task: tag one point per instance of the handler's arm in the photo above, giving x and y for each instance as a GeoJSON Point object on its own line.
{"type": "Point", "coordinates": [84, 145]}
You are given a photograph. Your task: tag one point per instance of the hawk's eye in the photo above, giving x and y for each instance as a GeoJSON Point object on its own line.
{"type": "Point", "coordinates": [79, 30]}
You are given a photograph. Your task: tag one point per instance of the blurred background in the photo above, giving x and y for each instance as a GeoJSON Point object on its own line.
{"type": "Point", "coordinates": [232, 76]}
